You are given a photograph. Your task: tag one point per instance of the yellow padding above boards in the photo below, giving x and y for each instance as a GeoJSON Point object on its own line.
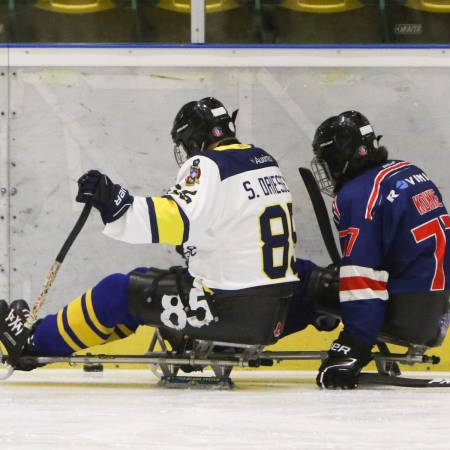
{"type": "Point", "coordinates": [436, 6]}
{"type": "Point", "coordinates": [75, 6]}
{"type": "Point", "coordinates": [321, 6]}
{"type": "Point", "coordinates": [184, 6]}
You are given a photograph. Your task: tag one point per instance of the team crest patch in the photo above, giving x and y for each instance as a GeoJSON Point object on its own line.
{"type": "Point", "coordinates": [362, 150]}
{"type": "Point", "coordinates": [217, 131]}
{"type": "Point", "coordinates": [194, 173]}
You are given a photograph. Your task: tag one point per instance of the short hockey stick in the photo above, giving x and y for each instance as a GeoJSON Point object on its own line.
{"type": "Point", "coordinates": [14, 356]}
{"type": "Point", "coordinates": [385, 380]}
{"type": "Point", "coordinates": [321, 212]}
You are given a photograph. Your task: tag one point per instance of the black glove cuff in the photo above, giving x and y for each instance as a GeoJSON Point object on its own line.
{"type": "Point", "coordinates": [346, 346]}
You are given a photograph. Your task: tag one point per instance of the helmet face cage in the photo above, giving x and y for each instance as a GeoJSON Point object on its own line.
{"type": "Point", "coordinates": [181, 154]}
{"type": "Point", "coordinates": [323, 177]}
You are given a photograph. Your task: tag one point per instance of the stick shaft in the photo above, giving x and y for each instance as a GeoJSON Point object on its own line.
{"type": "Point", "coordinates": [56, 265]}
{"type": "Point", "coordinates": [321, 212]}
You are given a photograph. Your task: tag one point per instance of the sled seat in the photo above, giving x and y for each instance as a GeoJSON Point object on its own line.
{"type": "Point", "coordinates": [415, 318]}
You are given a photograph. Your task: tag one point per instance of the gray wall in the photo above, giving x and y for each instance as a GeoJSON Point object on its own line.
{"type": "Point", "coordinates": [59, 122]}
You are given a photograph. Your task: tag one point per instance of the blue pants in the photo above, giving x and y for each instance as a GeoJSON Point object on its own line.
{"type": "Point", "coordinates": [98, 316]}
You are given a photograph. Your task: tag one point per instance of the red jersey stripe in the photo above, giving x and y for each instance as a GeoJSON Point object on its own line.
{"type": "Point", "coordinates": [376, 186]}
{"type": "Point", "coordinates": [353, 283]}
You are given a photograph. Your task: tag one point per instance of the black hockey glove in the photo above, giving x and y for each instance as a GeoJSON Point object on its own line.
{"type": "Point", "coordinates": [346, 357]}
{"type": "Point", "coordinates": [96, 189]}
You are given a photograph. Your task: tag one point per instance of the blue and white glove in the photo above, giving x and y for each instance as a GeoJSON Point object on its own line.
{"type": "Point", "coordinates": [346, 357]}
{"type": "Point", "coordinates": [96, 189]}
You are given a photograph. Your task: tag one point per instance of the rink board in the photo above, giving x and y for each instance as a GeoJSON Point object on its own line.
{"type": "Point", "coordinates": [67, 110]}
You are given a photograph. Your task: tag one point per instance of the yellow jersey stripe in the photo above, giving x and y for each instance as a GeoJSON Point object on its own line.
{"type": "Point", "coordinates": [169, 221]}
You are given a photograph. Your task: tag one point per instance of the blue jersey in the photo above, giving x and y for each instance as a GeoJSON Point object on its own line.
{"type": "Point", "coordinates": [393, 230]}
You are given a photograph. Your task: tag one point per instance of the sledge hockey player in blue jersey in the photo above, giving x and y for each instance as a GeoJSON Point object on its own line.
{"type": "Point", "coordinates": [394, 232]}
{"type": "Point", "coordinates": [230, 210]}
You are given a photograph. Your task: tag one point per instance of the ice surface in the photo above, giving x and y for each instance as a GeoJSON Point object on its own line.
{"type": "Point", "coordinates": [124, 409]}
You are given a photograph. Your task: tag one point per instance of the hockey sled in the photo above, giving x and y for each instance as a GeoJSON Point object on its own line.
{"type": "Point", "coordinates": [183, 368]}
{"type": "Point", "coordinates": [416, 322]}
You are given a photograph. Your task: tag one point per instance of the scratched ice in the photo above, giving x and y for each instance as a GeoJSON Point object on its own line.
{"type": "Point", "coordinates": [65, 409]}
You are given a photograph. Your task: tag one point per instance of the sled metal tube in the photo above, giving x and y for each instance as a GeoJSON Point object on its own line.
{"type": "Point", "coordinates": [162, 357]}
{"type": "Point", "coordinates": [283, 356]}
{"type": "Point", "coordinates": [408, 359]}
{"type": "Point", "coordinates": [123, 359]}
{"type": "Point", "coordinates": [238, 360]}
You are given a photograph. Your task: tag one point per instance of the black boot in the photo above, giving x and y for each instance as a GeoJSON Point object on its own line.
{"type": "Point", "coordinates": [12, 332]}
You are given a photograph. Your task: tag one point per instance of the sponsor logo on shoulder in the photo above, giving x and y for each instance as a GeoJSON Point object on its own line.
{"type": "Point", "coordinates": [392, 196]}
{"type": "Point", "coordinates": [420, 178]}
{"type": "Point", "coordinates": [401, 184]}
{"type": "Point", "coordinates": [262, 159]}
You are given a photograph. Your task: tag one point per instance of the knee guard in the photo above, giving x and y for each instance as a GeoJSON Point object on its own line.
{"type": "Point", "coordinates": [145, 289]}
{"type": "Point", "coordinates": [323, 289]}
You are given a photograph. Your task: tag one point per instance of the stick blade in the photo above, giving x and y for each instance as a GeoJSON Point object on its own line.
{"type": "Point", "coordinates": [385, 380]}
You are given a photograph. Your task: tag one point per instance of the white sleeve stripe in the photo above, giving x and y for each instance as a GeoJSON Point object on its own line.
{"type": "Point", "coordinates": [365, 272]}
{"type": "Point", "coordinates": [362, 294]}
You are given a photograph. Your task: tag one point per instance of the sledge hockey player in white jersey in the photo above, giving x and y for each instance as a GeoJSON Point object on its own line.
{"type": "Point", "coordinates": [230, 210]}
{"type": "Point", "coordinates": [394, 232]}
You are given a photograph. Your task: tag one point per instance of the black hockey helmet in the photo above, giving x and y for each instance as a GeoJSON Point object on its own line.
{"type": "Point", "coordinates": [198, 124]}
{"type": "Point", "coordinates": [337, 145]}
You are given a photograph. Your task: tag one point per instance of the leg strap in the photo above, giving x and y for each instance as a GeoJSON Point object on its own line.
{"type": "Point", "coordinates": [323, 288]}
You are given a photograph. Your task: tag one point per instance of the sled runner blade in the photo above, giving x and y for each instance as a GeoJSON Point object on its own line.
{"type": "Point", "coordinates": [196, 382]}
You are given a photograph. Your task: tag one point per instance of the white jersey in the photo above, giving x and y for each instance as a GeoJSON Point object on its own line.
{"type": "Point", "coordinates": [231, 209]}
